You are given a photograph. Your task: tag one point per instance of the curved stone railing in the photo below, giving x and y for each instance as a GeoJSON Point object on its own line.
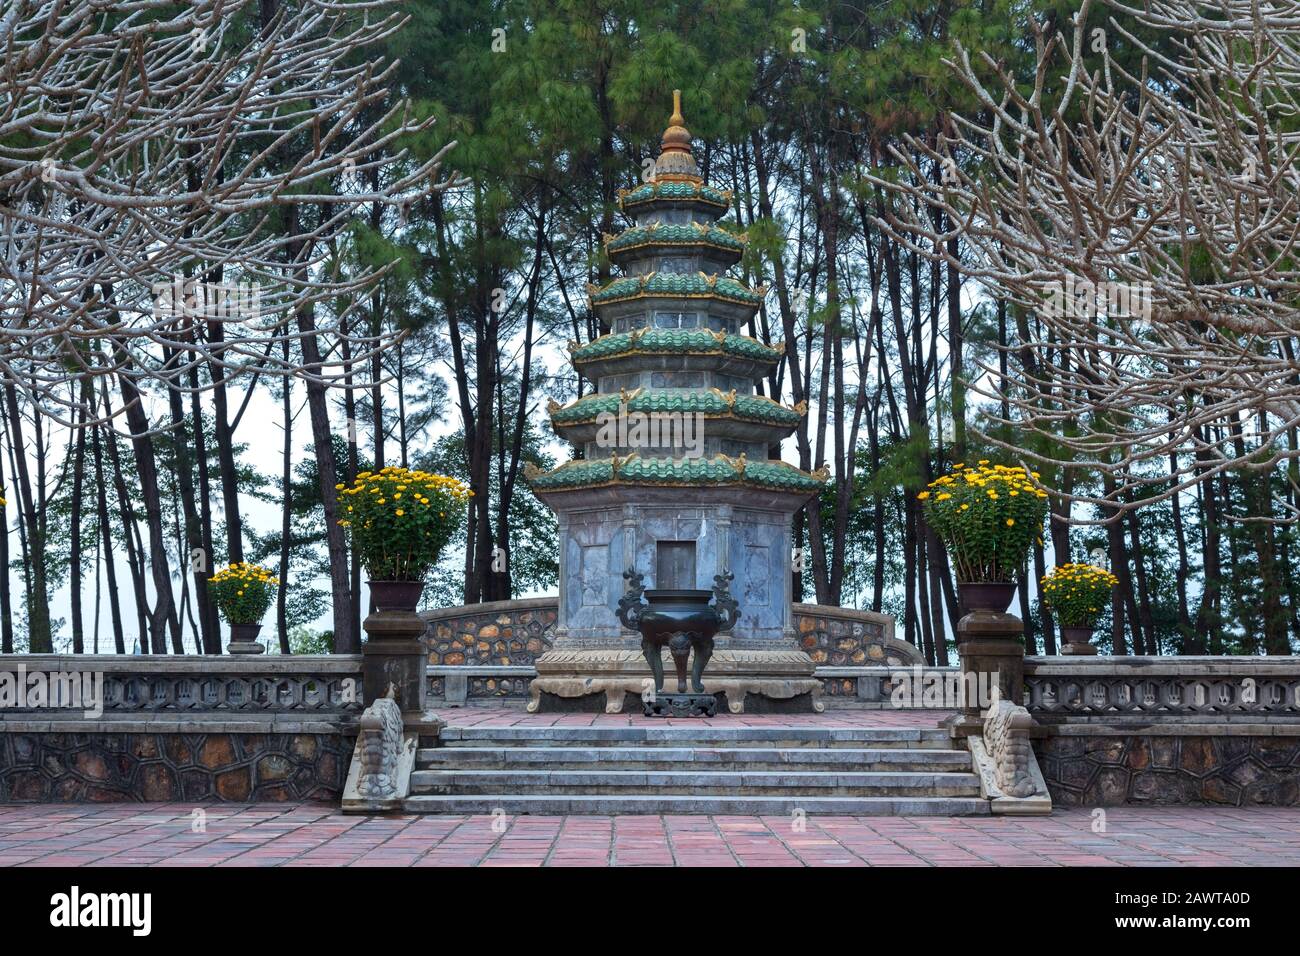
{"type": "Point", "coordinates": [1261, 689]}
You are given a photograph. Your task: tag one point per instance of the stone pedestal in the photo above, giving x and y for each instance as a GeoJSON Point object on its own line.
{"type": "Point", "coordinates": [781, 677]}
{"type": "Point", "coordinates": [243, 639]}
{"type": "Point", "coordinates": [991, 654]}
{"type": "Point", "coordinates": [395, 654]}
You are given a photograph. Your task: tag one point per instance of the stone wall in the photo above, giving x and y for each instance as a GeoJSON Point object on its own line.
{"type": "Point", "coordinates": [516, 633]}
{"type": "Point", "coordinates": [499, 633]}
{"type": "Point", "coordinates": [1105, 770]}
{"type": "Point", "coordinates": [79, 766]}
{"type": "Point", "coordinates": [189, 728]}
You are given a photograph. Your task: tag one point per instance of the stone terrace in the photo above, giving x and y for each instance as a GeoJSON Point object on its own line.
{"type": "Point", "coordinates": [503, 717]}
{"type": "Point", "coordinates": [319, 835]}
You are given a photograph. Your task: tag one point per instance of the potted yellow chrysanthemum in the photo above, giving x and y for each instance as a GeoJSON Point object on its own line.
{"type": "Point", "coordinates": [399, 520]}
{"type": "Point", "coordinates": [243, 592]}
{"type": "Point", "coordinates": [987, 516]}
{"type": "Point", "coordinates": [1077, 594]}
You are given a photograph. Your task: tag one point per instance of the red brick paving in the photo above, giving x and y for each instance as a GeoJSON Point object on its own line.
{"type": "Point", "coordinates": [319, 835]}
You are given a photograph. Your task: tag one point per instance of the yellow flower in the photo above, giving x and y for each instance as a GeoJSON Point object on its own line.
{"type": "Point", "coordinates": [1011, 522]}
{"type": "Point", "coordinates": [922, 496]}
{"type": "Point", "coordinates": [400, 512]}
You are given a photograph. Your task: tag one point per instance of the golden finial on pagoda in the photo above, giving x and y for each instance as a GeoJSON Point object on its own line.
{"type": "Point", "coordinates": [531, 471]}
{"type": "Point", "coordinates": [740, 464]}
{"type": "Point", "coordinates": [675, 160]}
{"type": "Point", "coordinates": [822, 473]}
{"type": "Point", "coordinates": [552, 406]}
{"type": "Point", "coordinates": [719, 336]}
{"type": "Point", "coordinates": [802, 408]}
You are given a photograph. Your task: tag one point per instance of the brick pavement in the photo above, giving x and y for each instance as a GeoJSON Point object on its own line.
{"type": "Point", "coordinates": [319, 835]}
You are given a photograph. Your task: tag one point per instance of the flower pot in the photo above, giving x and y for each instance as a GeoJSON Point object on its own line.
{"type": "Point", "coordinates": [243, 639]}
{"type": "Point", "coordinates": [1077, 640]}
{"type": "Point", "coordinates": [396, 595]}
{"type": "Point", "coordinates": [985, 595]}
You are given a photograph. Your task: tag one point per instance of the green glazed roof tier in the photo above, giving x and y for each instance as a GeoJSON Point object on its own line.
{"type": "Point", "coordinates": [667, 234]}
{"type": "Point", "coordinates": [710, 403]}
{"type": "Point", "coordinates": [673, 189]}
{"type": "Point", "coordinates": [720, 470]}
{"type": "Point", "coordinates": [674, 342]}
{"type": "Point", "coordinates": [694, 284]}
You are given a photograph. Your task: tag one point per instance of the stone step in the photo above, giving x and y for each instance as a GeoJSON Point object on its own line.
{"type": "Point", "coordinates": [488, 804]}
{"type": "Point", "coordinates": [686, 782]}
{"type": "Point", "coordinates": [759, 758]}
{"type": "Point", "coordinates": [699, 735]}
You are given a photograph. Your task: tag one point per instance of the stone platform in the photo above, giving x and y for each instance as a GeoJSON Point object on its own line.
{"type": "Point", "coordinates": [506, 762]}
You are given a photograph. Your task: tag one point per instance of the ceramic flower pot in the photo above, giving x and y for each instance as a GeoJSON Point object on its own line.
{"type": "Point", "coordinates": [243, 639]}
{"type": "Point", "coordinates": [986, 595]}
{"type": "Point", "coordinates": [1077, 640]}
{"type": "Point", "coordinates": [396, 595]}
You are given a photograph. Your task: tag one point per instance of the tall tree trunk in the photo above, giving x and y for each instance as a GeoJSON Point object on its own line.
{"type": "Point", "coordinates": [6, 595]}
{"type": "Point", "coordinates": [164, 616]}
{"type": "Point", "coordinates": [106, 547]}
{"type": "Point", "coordinates": [212, 644]}
{"type": "Point", "coordinates": [40, 639]}
{"type": "Point", "coordinates": [286, 513]}
{"type": "Point", "coordinates": [74, 530]}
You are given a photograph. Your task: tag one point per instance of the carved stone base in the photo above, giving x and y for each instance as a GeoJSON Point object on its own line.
{"type": "Point", "coordinates": [738, 673]}
{"type": "Point", "coordinates": [1086, 650]}
{"type": "Point", "coordinates": [245, 647]}
{"type": "Point", "coordinates": [673, 704]}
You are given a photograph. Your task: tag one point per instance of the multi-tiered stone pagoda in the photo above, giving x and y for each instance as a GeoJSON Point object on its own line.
{"type": "Point", "coordinates": [677, 513]}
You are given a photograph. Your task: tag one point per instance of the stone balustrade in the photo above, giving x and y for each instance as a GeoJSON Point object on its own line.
{"type": "Point", "coordinates": [306, 685]}
{"type": "Point", "coordinates": [1146, 689]}
{"type": "Point", "coordinates": [158, 727]}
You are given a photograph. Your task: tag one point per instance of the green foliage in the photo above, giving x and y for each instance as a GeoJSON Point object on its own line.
{"type": "Point", "coordinates": [303, 640]}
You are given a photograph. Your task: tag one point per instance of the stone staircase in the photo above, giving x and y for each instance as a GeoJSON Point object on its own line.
{"type": "Point", "coordinates": [694, 769]}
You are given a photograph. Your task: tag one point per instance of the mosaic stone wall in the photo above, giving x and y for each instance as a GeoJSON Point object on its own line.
{"type": "Point", "coordinates": [1240, 771]}
{"type": "Point", "coordinates": [110, 767]}
{"type": "Point", "coordinates": [842, 637]}
{"type": "Point", "coordinates": [504, 632]}
{"type": "Point", "coordinates": [518, 632]}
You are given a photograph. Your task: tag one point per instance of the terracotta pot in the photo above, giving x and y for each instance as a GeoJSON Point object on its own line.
{"type": "Point", "coordinates": [396, 595]}
{"type": "Point", "coordinates": [986, 595]}
{"type": "Point", "coordinates": [1077, 640]}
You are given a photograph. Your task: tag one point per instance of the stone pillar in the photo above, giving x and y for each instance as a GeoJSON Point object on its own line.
{"type": "Point", "coordinates": [395, 654]}
{"type": "Point", "coordinates": [991, 653]}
